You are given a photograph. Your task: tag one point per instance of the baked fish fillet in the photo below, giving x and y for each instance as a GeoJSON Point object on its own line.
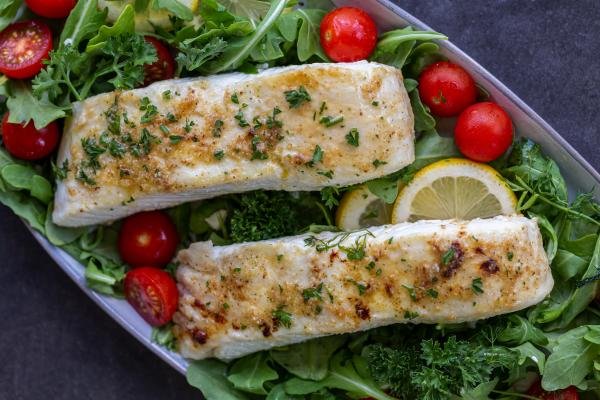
{"type": "Point", "coordinates": [294, 128]}
{"type": "Point", "coordinates": [242, 298]}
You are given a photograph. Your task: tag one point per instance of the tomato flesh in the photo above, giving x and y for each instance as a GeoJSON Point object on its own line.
{"type": "Point", "coordinates": [28, 143]}
{"type": "Point", "coordinates": [348, 34]}
{"type": "Point", "coordinates": [51, 8]}
{"type": "Point", "coordinates": [163, 68]}
{"type": "Point", "coordinates": [483, 132]}
{"type": "Point", "coordinates": [23, 48]}
{"type": "Point", "coordinates": [153, 293]}
{"type": "Point", "coordinates": [446, 88]}
{"type": "Point", "coordinates": [569, 393]}
{"type": "Point", "coordinates": [148, 238]}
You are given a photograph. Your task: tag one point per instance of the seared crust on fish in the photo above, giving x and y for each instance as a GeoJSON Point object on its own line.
{"type": "Point", "coordinates": [242, 298]}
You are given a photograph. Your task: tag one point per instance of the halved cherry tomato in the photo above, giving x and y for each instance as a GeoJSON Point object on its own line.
{"type": "Point", "coordinates": [569, 393]}
{"type": "Point", "coordinates": [51, 8]}
{"type": "Point", "coordinates": [348, 34]}
{"type": "Point", "coordinates": [153, 293]}
{"type": "Point", "coordinates": [26, 142]}
{"type": "Point", "coordinates": [483, 132]}
{"type": "Point", "coordinates": [446, 88]}
{"type": "Point", "coordinates": [23, 48]}
{"type": "Point", "coordinates": [163, 68]}
{"type": "Point", "coordinates": [148, 238]}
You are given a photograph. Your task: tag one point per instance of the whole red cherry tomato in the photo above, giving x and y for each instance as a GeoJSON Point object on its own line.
{"type": "Point", "coordinates": [148, 238]}
{"type": "Point", "coordinates": [348, 34]}
{"type": "Point", "coordinates": [26, 142]}
{"type": "Point", "coordinates": [483, 132]}
{"type": "Point", "coordinates": [51, 8]}
{"type": "Point", "coordinates": [23, 48]}
{"type": "Point", "coordinates": [569, 393]}
{"type": "Point", "coordinates": [446, 88]}
{"type": "Point", "coordinates": [163, 68]}
{"type": "Point", "coordinates": [153, 293]}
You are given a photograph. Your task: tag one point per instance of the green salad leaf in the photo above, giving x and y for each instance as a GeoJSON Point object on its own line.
{"type": "Point", "coordinates": [210, 376]}
{"type": "Point", "coordinates": [302, 26]}
{"type": "Point", "coordinates": [8, 11]}
{"type": "Point", "coordinates": [250, 373]}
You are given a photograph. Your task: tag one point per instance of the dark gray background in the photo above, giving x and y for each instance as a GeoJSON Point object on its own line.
{"type": "Point", "coordinates": [56, 344]}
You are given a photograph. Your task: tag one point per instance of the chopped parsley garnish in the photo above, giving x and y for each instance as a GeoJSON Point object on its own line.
{"type": "Point", "coordinates": [116, 148]}
{"type": "Point", "coordinates": [234, 98]}
{"type": "Point", "coordinates": [272, 121]}
{"type": "Point", "coordinates": [144, 146]}
{"type": "Point", "coordinates": [352, 137]}
{"type": "Point", "coordinates": [166, 95]}
{"type": "Point", "coordinates": [225, 306]}
{"type": "Point", "coordinates": [362, 288]}
{"type": "Point", "coordinates": [296, 98]}
{"type": "Point", "coordinates": [150, 110]}
{"type": "Point", "coordinates": [313, 293]}
{"type": "Point", "coordinates": [411, 292]}
{"type": "Point", "coordinates": [509, 255]}
{"type": "Point", "coordinates": [164, 129]}
{"type": "Point", "coordinates": [217, 128]}
{"type": "Point", "coordinates": [282, 317]}
{"type": "Point", "coordinates": [477, 286]}
{"type": "Point", "coordinates": [174, 139]}
{"type": "Point", "coordinates": [448, 256]}
{"type": "Point", "coordinates": [171, 117]}
{"type": "Point", "coordinates": [62, 171]}
{"type": "Point", "coordinates": [219, 154]}
{"type": "Point", "coordinates": [370, 266]}
{"type": "Point", "coordinates": [374, 103]}
{"type": "Point", "coordinates": [410, 314]}
{"type": "Point", "coordinates": [432, 293]}
{"type": "Point", "coordinates": [358, 250]}
{"type": "Point", "coordinates": [330, 121]}
{"type": "Point", "coordinates": [377, 163]}
{"type": "Point", "coordinates": [82, 176]}
{"type": "Point", "coordinates": [113, 118]}
{"type": "Point", "coordinates": [317, 156]}
{"type": "Point", "coordinates": [188, 126]}
{"type": "Point", "coordinates": [241, 119]}
{"type": "Point", "coordinates": [257, 154]}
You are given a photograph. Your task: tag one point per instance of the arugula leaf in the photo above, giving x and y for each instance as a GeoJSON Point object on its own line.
{"type": "Point", "coordinates": [346, 373]}
{"type": "Point", "coordinates": [308, 360]}
{"type": "Point", "coordinates": [307, 35]}
{"type": "Point", "coordinates": [8, 11]}
{"type": "Point", "coordinates": [239, 49]}
{"type": "Point", "coordinates": [210, 376]}
{"type": "Point", "coordinates": [519, 331]}
{"type": "Point", "coordinates": [84, 21]}
{"type": "Point", "coordinates": [191, 57]}
{"type": "Point", "coordinates": [395, 47]}
{"type": "Point", "coordinates": [252, 372]}
{"type": "Point", "coordinates": [253, 10]}
{"type": "Point", "coordinates": [25, 107]}
{"type": "Point", "coordinates": [32, 211]}
{"type": "Point", "coordinates": [174, 7]}
{"type": "Point", "coordinates": [124, 24]}
{"type": "Point", "coordinates": [572, 359]}
{"type": "Point", "coordinates": [424, 121]}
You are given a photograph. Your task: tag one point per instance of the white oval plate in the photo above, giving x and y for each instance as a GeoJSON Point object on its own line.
{"type": "Point", "coordinates": [578, 173]}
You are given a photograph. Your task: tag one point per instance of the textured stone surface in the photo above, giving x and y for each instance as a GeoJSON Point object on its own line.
{"type": "Point", "coordinates": [56, 344]}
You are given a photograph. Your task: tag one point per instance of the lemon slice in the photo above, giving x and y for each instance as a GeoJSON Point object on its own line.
{"type": "Point", "coordinates": [360, 208]}
{"type": "Point", "coordinates": [454, 188]}
{"type": "Point", "coordinates": [147, 19]}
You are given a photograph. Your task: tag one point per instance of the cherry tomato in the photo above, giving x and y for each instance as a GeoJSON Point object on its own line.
{"type": "Point", "coordinates": [569, 393]}
{"type": "Point", "coordinates": [148, 238]}
{"type": "Point", "coordinates": [446, 88]}
{"type": "Point", "coordinates": [483, 132]}
{"type": "Point", "coordinates": [51, 8]}
{"type": "Point", "coordinates": [26, 142]}
{"type": "Point", "coordinates": [163, 68]}
{"type": "Point", "coordinates": [153, 293]}
{"type": "Point", "coordinates": [23, 48]}
{"type": "Point", "coordinates": [348, 34]}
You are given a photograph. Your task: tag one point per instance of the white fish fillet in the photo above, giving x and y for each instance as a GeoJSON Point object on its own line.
{"type": "Point", "coordinates": [205, 152]}
{"type": "Point", "coordinates": [242, 298]}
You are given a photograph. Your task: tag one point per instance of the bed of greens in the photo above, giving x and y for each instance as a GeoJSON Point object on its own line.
{"type": "Point", "coordinates": [500, 358]}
